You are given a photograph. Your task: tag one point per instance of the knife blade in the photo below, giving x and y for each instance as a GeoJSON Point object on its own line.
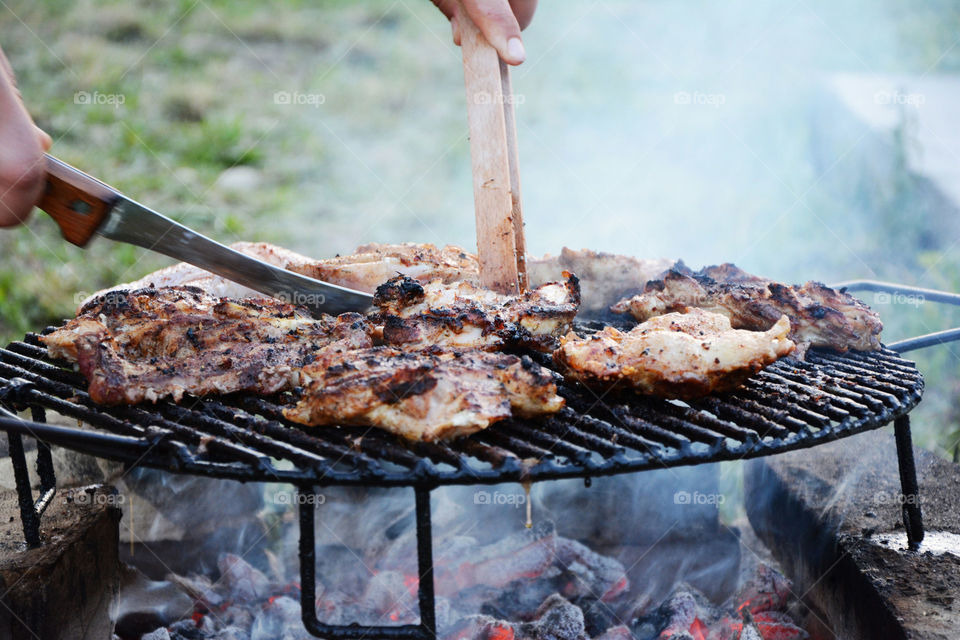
{"type": "Point", "coordinates": [83, 207]}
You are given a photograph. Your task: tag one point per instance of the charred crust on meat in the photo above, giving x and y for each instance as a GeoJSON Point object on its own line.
{"type": "Point", "coordinates": [402, 289]}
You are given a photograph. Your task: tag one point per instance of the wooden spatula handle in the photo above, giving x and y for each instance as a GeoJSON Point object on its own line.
{"type": "Point", "coordinates": [513, 157]}
{"type": "Point", "coordinates": [77, 202]}
{"type": "Point", "coordinates": [493, 202]}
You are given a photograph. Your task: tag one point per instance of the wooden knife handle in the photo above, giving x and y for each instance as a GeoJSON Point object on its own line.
{"type": "Point", "coordinates": [77, 202]}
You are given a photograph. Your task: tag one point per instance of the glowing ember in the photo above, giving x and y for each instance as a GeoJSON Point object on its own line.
{"type": "Point", "coordinates": [500, 632]}
{"type": "Point", "coordinates": [412, 583]}
{"type": "Point", "coordinates": [698, 630]}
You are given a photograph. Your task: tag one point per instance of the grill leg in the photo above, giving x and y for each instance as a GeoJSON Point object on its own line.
{"type": "Point", "coordinates": [426, 630]}
{"type": "Point", "coordinates": [28, 515]}
{"type": "Point", "coordinates": [425, 593]}
{"type": "Point", "coordinates": [910, 499]}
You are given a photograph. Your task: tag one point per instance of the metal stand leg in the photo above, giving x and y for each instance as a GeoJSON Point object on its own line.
{"type": "Point", "coordinates": [426, 630]}
{"type": "Point", "coordinates": [912, 516]}
{"type": "Point", "coordinates": [428, 601]}
{"type": "Point", "coordinates": [28, 516]}
{"type": "Point", "coordinates": [30, 511]}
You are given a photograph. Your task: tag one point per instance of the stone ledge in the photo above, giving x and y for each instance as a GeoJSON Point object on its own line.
{"type": "Point", "coordinates": [829, 513]}
{"type": "Point", "coordinates": [65, 588]}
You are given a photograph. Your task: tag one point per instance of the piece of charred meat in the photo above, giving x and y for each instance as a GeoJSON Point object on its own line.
{"type": "Point", "coordinates": [423, 395]}
{"type": "Point", "coordinates": [182, 274]}
{"type": "Point", "coordinates": [364, 270]}
{"type": "Point", "coordinates": [153, 343]}
{"type": "Point", "coordinates": [819, 316]}
{"type": "Point", "coordinates": [373, 264]}
{"type": "Point", "coordinates": [604, 277]}
{"type": "Point", "coordinates": [677, 355]}
{"type": "Point", "coordinates": [462, 315]}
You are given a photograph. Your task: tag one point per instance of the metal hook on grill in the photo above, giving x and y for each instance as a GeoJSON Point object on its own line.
{"type": "Point", "coordinates": [917, 293]}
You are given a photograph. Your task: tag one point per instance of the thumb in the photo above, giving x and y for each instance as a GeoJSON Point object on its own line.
{"type": "Point", "coordinates": [499, 26]}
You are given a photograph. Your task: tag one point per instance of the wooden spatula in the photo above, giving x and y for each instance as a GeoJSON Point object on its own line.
{"type": "Point", "coordinates": [496, 176]}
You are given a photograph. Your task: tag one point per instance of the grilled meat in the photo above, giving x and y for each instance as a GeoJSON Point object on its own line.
{"type": "Point", "coordinates": [604, 277]}
{"type": "Point", "coordinates": [153, 343]}
{"type": "Point", "coordinates": [677, 355]}
{"type": "Point", "coordinates": [373, 264]}
{"type": "Point", "coordinates": [462, 315]}
{"type": "Point", "coordinates": [423, 395]}
{"type": "Point", "coordinates": [364, 270]}
{"type": "Point", "coordinates": [819, 316]}
{"type": "Point", "coordinates": [183, 274]}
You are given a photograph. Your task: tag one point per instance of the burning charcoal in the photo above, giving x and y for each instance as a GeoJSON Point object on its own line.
{"type": "Point", "coordinates": [341, 566]}
{"type": "Point", "coordinates": [597, 616]}
{"type": "Point", "coordinates": [237, 616]}
{"type": "Point", "coordinates": [388, 596]}
{"type": "Point", "coordinates": [159, 634]}
{"type": "Point", "coordinates": [672, 618]}
{"type": "Point", "coordinates": [231, 633]}
{"type": "Point", "coordinates": [518, 601]}
{"type": "Point", "coordinates": [334, 607]}
{"type": "Point", "coordinates": [480, 627]}
{"type": "Point", "coordinates": [776, 625]}
{"type": "Point", "coordinates": [557, 619]}
{"type": "Point", "coordinates": [766, 590]}
{"type": "Point", "coordinates": [592, 574]}
{"type": "Point", "coordinates": [242, 579]}
{"type": "Point", "coordinates": [525, 554]}
{"type": "Point", "coordinates": [186, 630]}
{"type": "Point", "coordinates": [279, 620]}
{"type": "Point", "coordinates": [200, 588]}
{"type": "Point", "coordinates": [749, 630]}
{"type": "Point", "coordinates": [620, 632]}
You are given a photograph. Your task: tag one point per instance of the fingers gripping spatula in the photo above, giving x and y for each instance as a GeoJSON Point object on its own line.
{"type": "Point", "coordinates": [493, 149]}
{"type": "Point", "coordinates": [83, 207]}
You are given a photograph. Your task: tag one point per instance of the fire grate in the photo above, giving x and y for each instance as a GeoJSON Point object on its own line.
{"type": "Point", "coordinates": [790, 405]}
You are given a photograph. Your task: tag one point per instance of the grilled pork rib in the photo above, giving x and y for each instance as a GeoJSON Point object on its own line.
{"type": "Point", "coordinates": [462, 315]}
{"type": "Point", "coordinates": [423, 395]}
{"type": "Point", "coordinates": [819, 316]}
{"type": "Point", "coordinates": [677, 355]}
{"type": "Point", "coordinates": [153, 343]}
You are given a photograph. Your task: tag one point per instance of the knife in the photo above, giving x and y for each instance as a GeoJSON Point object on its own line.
{"type": "Point", "coordinates": [83, 206]}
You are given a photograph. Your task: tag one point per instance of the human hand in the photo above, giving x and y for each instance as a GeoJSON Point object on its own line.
{"type": "Point", "coordinates": [500, 21]}
{"type": "Point", "coordinates": [22, 168]}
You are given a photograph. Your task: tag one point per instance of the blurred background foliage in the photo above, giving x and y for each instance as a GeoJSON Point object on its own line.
{"type": "Point", "coordinates": [191, 120]}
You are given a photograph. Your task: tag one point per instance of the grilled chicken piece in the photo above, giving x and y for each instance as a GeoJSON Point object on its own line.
{"type": "Point", "coordinates": [819, 316]}
{"type": "Point", "coordinates": [677, 355]}
{"type": "Point", "coordinates": [604, 277]}
{"type": "Point", "coordinates": [364, 270]}
{"type": "Point", "coordinates": [423, 395]}
{"type": "Point", "coordinates": [373, 264]}
{"type": "Point", "coordinates": [153, 343]}
{"type": "Point", "coordinates": [187, 275]}
{"type": "Point", "coordinates": [462, 315]}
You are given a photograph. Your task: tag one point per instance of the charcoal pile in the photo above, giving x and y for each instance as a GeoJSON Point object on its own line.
{"type": "Point", "coordinates": [529, 585]}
